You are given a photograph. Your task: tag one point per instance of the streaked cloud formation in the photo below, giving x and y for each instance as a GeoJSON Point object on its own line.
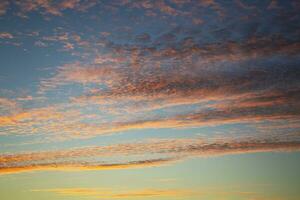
{"type": "Point", "coordinates": [154, 153]}
{"type": "Point", "coordinates": [149, 99]}
{"type": "Point", "coordinates": [134, 67]}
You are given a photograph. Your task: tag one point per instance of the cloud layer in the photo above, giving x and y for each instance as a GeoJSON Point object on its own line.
{"type": "Point", "coordinates": [146, 67]}
{"type": "Point", "coordinates": [154, 153]}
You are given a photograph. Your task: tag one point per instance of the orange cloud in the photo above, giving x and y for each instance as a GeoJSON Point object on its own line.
{"type": "Point", "coordinates": [82, 166]}
{"type": "Point", "coordinates": [153, 192]}
{"type": "Point", "coordinates": [29, 117]}
{"type": "Point", "coordinates": [69, 121]}
{"type": "Point", "coordinates": [111, 194]}
{"type": "Point", "coordinates": [168, 151]}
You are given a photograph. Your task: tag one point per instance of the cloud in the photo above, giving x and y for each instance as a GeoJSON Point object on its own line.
{"type": "Point", "coordinates": [226, 83]}
{"type": "Point", "coordinates": [6, 35]}
{"type": "Point", "coordinates": [156, 5]}
{"type": "Point", "coordinates": [195, 67]}
{"type": "Point", "coordinates": [41, 120]}
{"type": "Point", "coordinates": [111, 194]}
{"type": "Point", "coordinates": [8, 106]}
{"type": "Point", "coordinates": [150, 8]}
{"type": "Point", "coordinates": [165, 151]}
{"type": "Point", "coordinates": [76, 73]}
{"type": "Point", "coordinates": [120, 193]}
{"type": "Point", "coordinates": [3, 7]}
{"type": "Point", "coordinates": [28, 117]}
{"type": "Point", "coordinates": [180, 77]}
{"type": "Point", "coordinates": [50, 7]}
{"type": "Point", "coordinates": [79, 166]}
{"type": "Point", "coordinates": [214, 5]}
{"type": "Point", "coordinates": [211, 118]}
{"type": "Point", "coordinates": [155, 193]}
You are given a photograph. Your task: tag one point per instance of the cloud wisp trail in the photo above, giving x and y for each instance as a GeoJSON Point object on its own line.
{"type": "Point", "coordinates": [154, 153]}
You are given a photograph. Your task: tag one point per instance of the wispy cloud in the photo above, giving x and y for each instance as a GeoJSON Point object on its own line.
{"type": "Point", "coordinates": [6, 35]}
{"type": "Point", "coordinates": [195, 72]}
{"type": "Point", "coordinates": [215, 78]}
{"type": "Point", "coordinates": [152, 192]}
{"type": "Point", "coordinates": [111, 194]}
{"type": "Point", "coordinates": [167, 151]}
{"type": "Point", "coordinates": [79, 166]}
{"type": "Point", "coordinates": [216, 75]}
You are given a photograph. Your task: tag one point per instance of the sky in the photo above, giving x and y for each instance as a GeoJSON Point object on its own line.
{"type": "Point", "coordinates": [150, 99]}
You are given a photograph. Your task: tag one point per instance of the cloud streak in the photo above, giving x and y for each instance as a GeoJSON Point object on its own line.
{"type": "Point", "coordinates": [167, 151]}
{"type": "Point", "coordinates": [111, 194]}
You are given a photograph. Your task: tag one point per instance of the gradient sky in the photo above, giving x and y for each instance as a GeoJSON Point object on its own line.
{"type": "Point", "coordinates": [150, 99]}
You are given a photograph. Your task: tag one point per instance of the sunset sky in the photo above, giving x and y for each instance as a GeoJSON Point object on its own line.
{"type": "Point", "coordinates": [150, 99]}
